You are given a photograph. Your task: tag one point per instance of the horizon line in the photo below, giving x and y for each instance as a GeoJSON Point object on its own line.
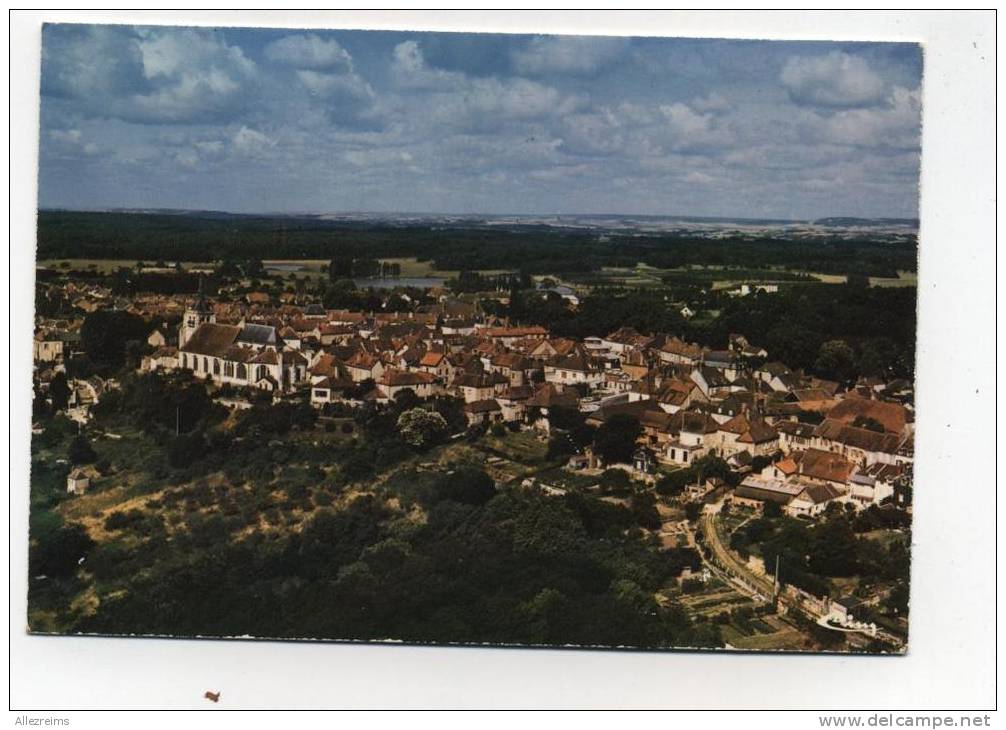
{"type": "Point", "coordinates": [149, 209]}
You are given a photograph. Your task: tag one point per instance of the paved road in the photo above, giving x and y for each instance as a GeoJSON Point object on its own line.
{"type": "Point", "coordinates": [728, 561]}
{"type": "Point", "coordinates": [742, 576]}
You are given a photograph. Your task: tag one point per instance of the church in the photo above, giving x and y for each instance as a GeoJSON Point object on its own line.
{"type": "Point", "coordinates": [244, 355]}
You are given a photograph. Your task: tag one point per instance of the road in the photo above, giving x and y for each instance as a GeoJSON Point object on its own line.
{"type": "Point", "coordinates": [725, 558]}
{"type": "Point", "coordinates": [742, 577]}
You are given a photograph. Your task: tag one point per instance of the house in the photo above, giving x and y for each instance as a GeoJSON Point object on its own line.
{"type": "Point", "coordinates": [546, 400]}
{"type": "Point", "coordinates": [508, 335]}
{"type": "Point", "coordinates": [794, 435]}
{"type": "Point", "coordinates": [364, 366]}
{"type": "Point", "coordinates": [48, 347]}
{"type": "Point", "coordinates": [822, 466]}
{"type": "Point", "coordinates": [712, 487]}
{"type": "Point", "coordinates": [163, 358]}
{"type": "Point", "coordinates": [893, 417]}
{"type": "Point", "coordinates": [679, 352]}
{"type": "Point", "coordinates": [626, 339]}
{"type": "Point", "coordinates": [876, 483]}
{"type": "Point", "coordinates": [860, 445]}
{"type": "Point", "coordinates": [329, 390]}
{"type": "Point", "coordinates": [695, 436]}
{"type": "Point", "coordinates": [677, 395]}
{"type": "Point", "coordinates": [513, 402]}
{"type": "Point", "coordinates": [573, 370]}
{"type": "Point", "coordinates": [813, 499]}
{"type": "Point", "coordinates": [329, 333]}
{"type": "Point", "coordinates": [513, 366]}
{"type": "Point", "coordinates": [782, 469]}
{"type": "Point", "coordinates": [479, 386]}
{"type": "Point", "coordinates": [156, 339]}
{"type": "Point", "coordinates": [771, 370]}
{"type": "Point", "coordinates": [755, 491]}
{"type": "Point", "coordinates": [77, 481]}
{"type": "Point", "coordinates": [841, 610]}
{"type": "Point", "coordinates": [740, 345]}
{"type": "Point", "coordinates": [436, 364]}
{"type": "Point", "coordinates": [812, 399]}
{"type": "Point", "coordinates": [742, 433]}
{"type": "Point", "coordinates": [720, 360]}
{"type": "Point", "coordinates": [721, 410]}
{"type": "Point", "coordinates": [784, 383]}
{"type": "Point", "coordinates": [483, 412]}
{"type": "Point", "coordinates": [759, 439]}
{"type": "Point", "coordinates": [392, 382]}
{"type": "Point", "coordinates": [644, 461]}
{"type": "Point", "coordinates": [550, 348]}
{"type": "Point", "coordinates": [711, 381]}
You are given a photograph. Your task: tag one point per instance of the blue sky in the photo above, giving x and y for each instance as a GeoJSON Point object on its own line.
{"type": "Point", "coordinates": [279, 120]}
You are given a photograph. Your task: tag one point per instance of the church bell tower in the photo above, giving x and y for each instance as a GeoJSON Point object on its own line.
{"type": "Point", "coordinates": [199, 313]}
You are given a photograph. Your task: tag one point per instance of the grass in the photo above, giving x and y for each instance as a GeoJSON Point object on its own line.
{"type": "Point", "coordinates": [905, 278]}
{"type": "Point", "coordinates": [788, 639]}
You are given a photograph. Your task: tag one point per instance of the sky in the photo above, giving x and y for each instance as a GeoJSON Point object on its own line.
{"type": "Point", "coordinates": [280, 120]}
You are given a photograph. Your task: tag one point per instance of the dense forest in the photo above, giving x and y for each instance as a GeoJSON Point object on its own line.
{"type": "Point", "coordinates": [838, 331]}
{"type": "Point", "coordinates": [537, 249]}
{"type": "Point", "coordinates": [257, 525]}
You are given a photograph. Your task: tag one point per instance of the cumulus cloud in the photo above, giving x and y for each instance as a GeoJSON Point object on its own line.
{"type": "Point", "coordinates": [67, 136]}
{"type": "Point", "coordinates": [251, 141]}
{"type": "Point", "coordinates": [309, 52]}
{"type": "Point", "coordinates": [478, 103]}
{"type": "Point", "coordinates": [327, 86]}
{"type": "Point", "coordinates": [712, 103]}
{"type": "Point", "coordinates": [157, 75]}
{"type": "Point", "coordinates": [567, 55]}
{"type": "Point", "coordinates": [836, 79]}
{"type": "Point", "coordinates": [195, 76]}
{"type": "Point", "coordinates": [90, 62]}
{"type": "Point", "coordinates": [690, 130]}
{"type": "Point", "coordinates": [410, 70]}
{"type": "Point", "coordinates": [894, 126]}
{"type": "Point", "coordinates": [71, 142]}
{"type": "Point", "coordinates": [577, 124]}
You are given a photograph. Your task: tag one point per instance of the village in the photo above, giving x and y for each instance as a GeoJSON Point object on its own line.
{"type": "Point", "coordinates": [793, 444]}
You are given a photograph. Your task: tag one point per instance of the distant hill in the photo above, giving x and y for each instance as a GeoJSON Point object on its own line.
{"type": "Point", "coordinates": [846, 222]}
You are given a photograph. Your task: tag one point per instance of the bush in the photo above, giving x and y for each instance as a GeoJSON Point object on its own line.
{"type": "Point", "coordinates": [616, 480]}
{"type": "Point", "coordinates": [57, 555]}
{"type": "Point", "coordinates": [80, 451]}
{"type": "Point", "coordinates": [120, 520]}
{"type": "Point", "coordinates": [692, 585]}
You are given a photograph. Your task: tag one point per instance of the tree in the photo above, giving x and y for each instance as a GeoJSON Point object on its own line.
{"type": "Point", "coordinates": [771, 510]}
{"type": "Point", "coordinates": [340, 267]}
{"type": "Point", "coordinates": [406, 400]}
{"type": "Point", "coordinates": [58, 555]}
{"type": "Point", "coordinates": [421, 428]}
{"type": "Point", "coordinates": [467, 485]}
{"type": "Point", "coordinates": [835, 360]}
{"type": "Point", "coordinates": [644, 509]}
{"type": "Point", "coordinates": [59, 391]}
{"type": "Point", "coordinates": [105, 333]}
{"type": "Point", "coordinates": [615, 439]}
{"type": "Point", "coordinates": [81, 452]}
{"type": "Point", "coordinates": [186, 449]}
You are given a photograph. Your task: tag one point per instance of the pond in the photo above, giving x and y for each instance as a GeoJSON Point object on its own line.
{"type": "Point", "coordinates": [419, 282]}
